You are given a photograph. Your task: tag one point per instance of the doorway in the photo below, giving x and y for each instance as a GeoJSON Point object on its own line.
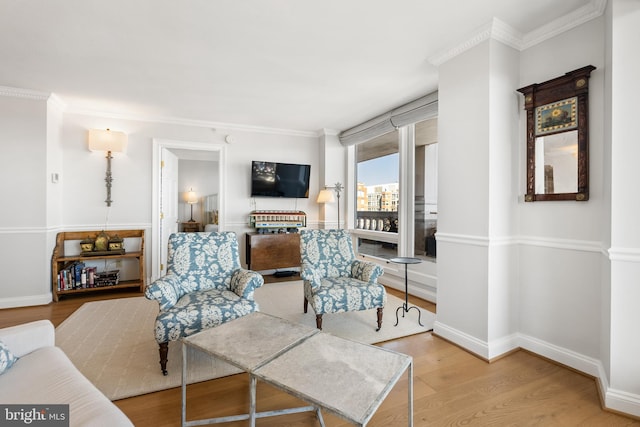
{"type": "Point", "coordinates": [165, 198]}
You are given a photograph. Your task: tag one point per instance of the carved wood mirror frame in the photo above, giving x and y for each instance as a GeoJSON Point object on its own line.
{"type": "Point", "coordinates": [558, 109]}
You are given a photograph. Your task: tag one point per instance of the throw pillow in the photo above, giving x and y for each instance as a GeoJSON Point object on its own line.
{"type": "Point", "coordinates": [7, 359]}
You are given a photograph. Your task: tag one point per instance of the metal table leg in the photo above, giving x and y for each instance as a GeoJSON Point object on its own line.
{"type": "Point", "coordinates": [405, 306]}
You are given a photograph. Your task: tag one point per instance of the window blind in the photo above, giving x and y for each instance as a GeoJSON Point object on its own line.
{"type": "Point", "coordinates": [423, 108]}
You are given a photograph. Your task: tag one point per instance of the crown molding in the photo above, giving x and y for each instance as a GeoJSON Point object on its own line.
{"type": "Point", "coordinates": [189, 122]}
{"type": "Point", "coordinates": [51, 98]}
{"type": "Point", "coordinates": [15, 92]}
{"type": "Point", "coordinates": [327, 132]}
{"type": "Point", "coordinates": [592, 10]}
{"type": "Point", "coordinates": [56, 102]}
{"type": "Point", "coordinates": [502, 32]}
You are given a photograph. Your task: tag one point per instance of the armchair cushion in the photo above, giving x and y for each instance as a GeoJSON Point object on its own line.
{"type": "Point", "coordinates": [201, 310]}
{"type": "Point", "coordinates": [330, 252]}
{"type": "Point", "coordinates": [340, 294]}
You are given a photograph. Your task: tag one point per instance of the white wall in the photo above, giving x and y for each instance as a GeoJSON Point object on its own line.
{"type": "Point", "coordinates": [482, 216]}
{"type": "Point", "coordinates": [561, 298]}
{"type": "Point", "coordinates": [77, 201]}
{"type": "Point", "coordinates": [624, 292]}
{"type": "Point", "coordinates": [23, 191]}
{"type": "Point", "coordinates": [560, 255]}
{"type": "Point", "coordinates": [477, 196]}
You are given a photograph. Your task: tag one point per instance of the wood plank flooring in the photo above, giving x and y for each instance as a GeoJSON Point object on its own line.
{"type": "Point", "coordinates": [451, 387]}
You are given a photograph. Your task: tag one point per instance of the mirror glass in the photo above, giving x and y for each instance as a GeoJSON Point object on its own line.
{"type": "Point", "coordinates": [556, 165]}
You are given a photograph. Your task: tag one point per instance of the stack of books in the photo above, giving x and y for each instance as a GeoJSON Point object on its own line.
{"type": "Point", "coordinates": [107, 278]}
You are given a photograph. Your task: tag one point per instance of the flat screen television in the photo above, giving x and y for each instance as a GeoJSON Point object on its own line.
{"type": "Point", "coordinates": [271, 179]}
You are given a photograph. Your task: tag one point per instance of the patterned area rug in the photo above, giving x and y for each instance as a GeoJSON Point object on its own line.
{"type": "Point", "coordinates": [111, 342]}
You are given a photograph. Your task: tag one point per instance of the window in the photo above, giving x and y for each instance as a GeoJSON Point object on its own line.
{"type": "Point", "coordinates": [377, 177]}
{"type": "Point", "coordinates": [378, 193]}
{"type": "Point", "coordinates": [397, 215]}
{"type": "Point", "coordinates": [425, 189]}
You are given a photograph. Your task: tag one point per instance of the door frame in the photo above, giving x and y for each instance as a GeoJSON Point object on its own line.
{"type": "Point", "coordinates": [158, 145]}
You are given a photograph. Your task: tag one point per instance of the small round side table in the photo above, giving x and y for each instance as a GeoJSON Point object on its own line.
{"type": "Point", "coordinates": [405, 306]}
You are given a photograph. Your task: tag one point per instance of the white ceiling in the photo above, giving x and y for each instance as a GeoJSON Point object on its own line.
{"type": "Point", "coordinates": [284, 64]}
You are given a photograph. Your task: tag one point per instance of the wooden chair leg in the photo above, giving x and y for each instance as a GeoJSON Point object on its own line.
{"type": "Point", "coordinates": [379, 318]}
{"type": "Point", "coordinates": [164, 351]}
{"type": "Point", "coordinates": [306, 305]}
{"type": "Point", "coordinates": [319, 321]}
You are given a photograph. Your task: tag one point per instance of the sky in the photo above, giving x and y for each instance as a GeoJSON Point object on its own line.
{"type": "Point", "coordinates": [382, 170]}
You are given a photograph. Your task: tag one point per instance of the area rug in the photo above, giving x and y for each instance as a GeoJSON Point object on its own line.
{"type": "Point", "coordinates": [112, 343]}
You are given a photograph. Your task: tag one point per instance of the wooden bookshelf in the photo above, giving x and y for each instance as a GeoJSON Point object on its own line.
{"type": "Point", "coordinates": [60, 260]}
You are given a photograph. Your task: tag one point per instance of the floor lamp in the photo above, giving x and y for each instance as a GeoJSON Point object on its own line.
{"type": "Point", "coordinates": [326, 196]}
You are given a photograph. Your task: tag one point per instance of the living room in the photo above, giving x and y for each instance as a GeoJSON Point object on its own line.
{"type": "Point", "coordinates": [554, 278]}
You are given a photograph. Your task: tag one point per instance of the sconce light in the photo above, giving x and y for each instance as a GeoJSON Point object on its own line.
{"type": "Point", "coordinates": [192, 199]}
{"type": "Point", "coordinates": [111, 142]}
{"type": "Point", "coordinates": [326, 196]}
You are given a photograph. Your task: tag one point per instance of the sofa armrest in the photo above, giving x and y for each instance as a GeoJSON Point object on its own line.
{"type": "Point", "coordinates": [245, 282]}
{"type": "Point", "coordinates": [311, 275]}
{"type": "Point", "coordinates": [366, 271]}
{"type": "Point", "coordinates": [166, 290]}
{"type": "Point", "coordinates": [28, 337]}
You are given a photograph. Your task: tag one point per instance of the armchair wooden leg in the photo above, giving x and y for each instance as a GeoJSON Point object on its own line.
{"type": "Point", "coordinates": [164, 350]}
{"type": "Point", "coordinates": [379, 318]}
{"type": "Point", "coordinates": [306, 305]}
{"type": "Point", "coordinates": [319, 321]}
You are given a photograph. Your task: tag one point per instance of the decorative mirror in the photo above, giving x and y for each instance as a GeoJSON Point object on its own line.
{"type": "Point", "coordinates": [558, 137]}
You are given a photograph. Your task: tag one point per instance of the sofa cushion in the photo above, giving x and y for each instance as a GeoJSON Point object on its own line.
{"type": "Point", "coordinates": [7, 358]}
{"type": "Point", "coordinates": [47, 376]}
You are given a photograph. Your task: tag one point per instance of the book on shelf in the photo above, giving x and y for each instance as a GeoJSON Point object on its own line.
{"type": "Point", "coordinates": [76, 275]}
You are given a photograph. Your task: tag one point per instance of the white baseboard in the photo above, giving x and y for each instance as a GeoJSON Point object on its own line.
{"type": "Point", "coordinates": [42, 299]}
{"type": "Point", "coordinates": [616, 400]}
{"type": "Point", "coordinates": [577, 361]}
{"type": "Point", "coordinates": [462, 339]}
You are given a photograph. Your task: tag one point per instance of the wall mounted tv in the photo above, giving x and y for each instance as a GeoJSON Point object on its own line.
{"type": "Point", "coordinates": [271, 179]}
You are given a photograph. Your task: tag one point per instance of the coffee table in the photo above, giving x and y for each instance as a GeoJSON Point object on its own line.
{"type": "Point", "coordinates": [344, 377]}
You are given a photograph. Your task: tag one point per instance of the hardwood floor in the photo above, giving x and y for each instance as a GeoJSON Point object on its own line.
{"type": "Point", "coordinates": [451, 387]}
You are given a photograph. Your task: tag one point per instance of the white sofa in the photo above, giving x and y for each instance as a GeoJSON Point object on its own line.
{"type": "Point", "coordinates": [44, 375]}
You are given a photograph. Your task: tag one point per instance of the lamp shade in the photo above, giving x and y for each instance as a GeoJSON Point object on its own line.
{"type": "Point", "coordinates": [107, 140]}
{"type": "Point", "coordinates": [325, 196]}
{"type": "Point", "coordinates": [192, 198]}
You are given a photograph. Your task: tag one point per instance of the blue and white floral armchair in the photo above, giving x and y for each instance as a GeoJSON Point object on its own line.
{"type": "Point", "coordinates": [334, 280]}
{"type": "Point", "coordinates": [204, 287]}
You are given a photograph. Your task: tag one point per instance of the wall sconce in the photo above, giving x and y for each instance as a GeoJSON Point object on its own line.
{"type": "Point", "coordinates": [326, 196]}
{"type": "Point", "coordinates": [111, 142]}
{"type": "Point", "coordinates": [192, 199]}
